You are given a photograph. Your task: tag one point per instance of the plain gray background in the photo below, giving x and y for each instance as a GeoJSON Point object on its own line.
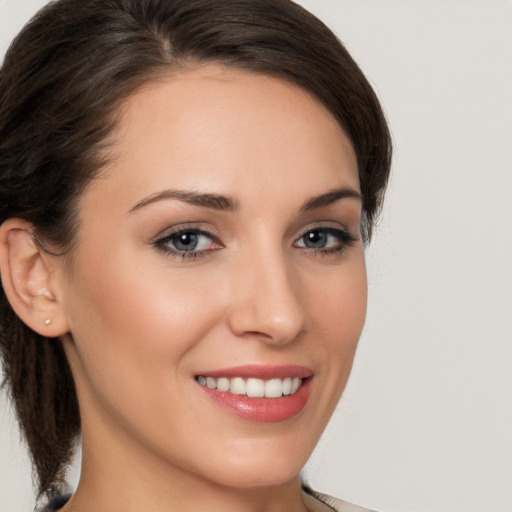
{"type": "Point", "coordinates": [426, 421]}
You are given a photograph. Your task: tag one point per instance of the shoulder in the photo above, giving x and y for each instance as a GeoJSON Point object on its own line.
{"type": "Point", "coordinates": [318, 502]}
{"type": "Point", "coordinates": [56, 503]}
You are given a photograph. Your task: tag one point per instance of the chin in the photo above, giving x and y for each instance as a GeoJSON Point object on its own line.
{"type": "Point", "coordinates": [252, 478]}
{"type": "Point", "coordinates": [256, 468]}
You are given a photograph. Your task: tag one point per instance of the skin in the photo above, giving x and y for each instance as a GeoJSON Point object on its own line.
{"type": "Point", "coordinates": [142, 323]}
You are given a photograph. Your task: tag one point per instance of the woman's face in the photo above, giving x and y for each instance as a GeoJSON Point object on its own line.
{"type": "Point", "coordinates": [221, 247]}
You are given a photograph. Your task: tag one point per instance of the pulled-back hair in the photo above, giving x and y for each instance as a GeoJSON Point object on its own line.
{"type": "Point", "coordinates": [63, 80]}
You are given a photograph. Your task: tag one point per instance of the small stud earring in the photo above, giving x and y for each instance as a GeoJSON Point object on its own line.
{"type": "Point", "coordinates": [48, 321]}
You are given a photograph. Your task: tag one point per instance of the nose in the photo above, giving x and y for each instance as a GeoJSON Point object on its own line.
{"type": "Point", "coordinates": [266, 301]}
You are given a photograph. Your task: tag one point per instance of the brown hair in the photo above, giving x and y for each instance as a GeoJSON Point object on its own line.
{"type": "Point", "coordinates": [62, 80]}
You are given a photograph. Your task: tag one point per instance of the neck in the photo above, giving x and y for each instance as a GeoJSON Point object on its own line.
{"type": "Point", "coordinates": [120, 477]}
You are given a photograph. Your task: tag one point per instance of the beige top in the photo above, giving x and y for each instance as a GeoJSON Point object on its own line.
{"type": "Point", "coordinates": [318, 502]}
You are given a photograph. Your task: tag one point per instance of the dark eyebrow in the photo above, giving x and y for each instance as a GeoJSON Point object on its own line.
{"type": "Point", "coordinates": [224, 203]}
{"type": "Point", "coordinates": [331, 197]}
{"type": "Point", "coordinates": [214, 201]}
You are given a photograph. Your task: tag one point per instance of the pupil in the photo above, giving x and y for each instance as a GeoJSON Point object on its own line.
{"type": "Point", "coordinates": [186, 241]}
{"type": "Point", "coordinates": [316, 239]}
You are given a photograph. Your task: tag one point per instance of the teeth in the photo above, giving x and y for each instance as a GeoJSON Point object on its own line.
{"type": "Point", "coordinates": [273, 388]}
{"type": "Point", "coordinates": [287, 386]}
{"type": "Point", "coordinates": [253, 388]}
{"type": "Point", "coordinates": [238, 386]}
{"type": "Point", "coordinates": [223, 384]}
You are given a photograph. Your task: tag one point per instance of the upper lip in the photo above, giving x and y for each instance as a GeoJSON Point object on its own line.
{"type": "Point", "coordinates": [264, 372]}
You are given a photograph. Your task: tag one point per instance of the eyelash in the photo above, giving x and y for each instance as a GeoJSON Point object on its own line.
{"type": "Point", "coordinates": [163, 244]}
{"type": "Point", "coordinates": [344, 240]}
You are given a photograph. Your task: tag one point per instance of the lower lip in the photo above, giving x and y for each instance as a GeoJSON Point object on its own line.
{"type": "Point", "coordinates": [264, 410]}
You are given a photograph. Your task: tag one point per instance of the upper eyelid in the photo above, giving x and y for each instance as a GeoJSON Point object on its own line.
{"type": "Point", "coordinates": [164, 243]}
{"type": "Point", "coordinates": [199, 227]}
{"type": "Point", "coordinates": [172, 230]}
{"type": "Point", "coordinates": [327, 229]}
{"type": "Point", "coordinates": [346, 237]}
{"type": "Point", "coordinates": [326, 225]}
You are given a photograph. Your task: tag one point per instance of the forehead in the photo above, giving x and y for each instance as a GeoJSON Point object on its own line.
{"type": "Point", "coordinates": [237, 131]}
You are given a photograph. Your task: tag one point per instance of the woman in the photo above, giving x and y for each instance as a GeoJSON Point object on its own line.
{"type": "Point", "coordinates": [186, 190]}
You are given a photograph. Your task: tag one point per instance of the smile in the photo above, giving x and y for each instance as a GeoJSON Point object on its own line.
{"type": "Point", "coordinates": [253, 387]}
{"type": "Point", "coordinates": [258, 393]}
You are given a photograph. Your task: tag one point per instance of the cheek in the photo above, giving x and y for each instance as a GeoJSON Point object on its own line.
{"type": "Point", "coordinates": [345, 315]}
{"type": "Point", "coordinates": [339, 313]}
{"type": "Point", "coordinates": [136, 335]}
{"type": "Point", "coordinates": [339, 305]}
{"type": "Point", "coordinates": [136, 328]}
{"type": "Point", "coordinates": [138, 300]}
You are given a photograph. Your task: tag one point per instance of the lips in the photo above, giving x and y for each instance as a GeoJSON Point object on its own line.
{"type": "Point", "coordinates": [259, 393]}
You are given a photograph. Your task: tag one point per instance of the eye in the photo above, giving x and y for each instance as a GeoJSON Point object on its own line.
{"type": "Point", "coordinates": [326, 239]}
{"type": "Point", "coordinates": [187, 243]}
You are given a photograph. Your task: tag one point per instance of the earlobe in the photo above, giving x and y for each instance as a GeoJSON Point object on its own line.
{"type": "Point", "coordinates": [26, 274]}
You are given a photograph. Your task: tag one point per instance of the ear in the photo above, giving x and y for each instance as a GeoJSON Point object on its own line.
{"type": "Point", "coordinates": [28, 279]}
